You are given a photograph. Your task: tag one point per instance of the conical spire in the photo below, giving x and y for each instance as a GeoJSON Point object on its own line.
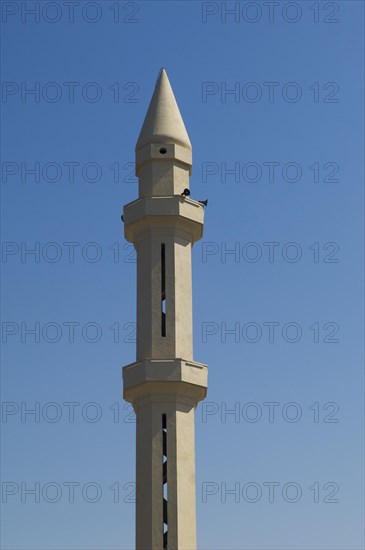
{"type": "Point", "coordinates": [163, 122]}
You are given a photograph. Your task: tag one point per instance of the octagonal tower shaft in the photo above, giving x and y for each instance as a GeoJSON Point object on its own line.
{"type": "Point", "coordinates": [164, 384]}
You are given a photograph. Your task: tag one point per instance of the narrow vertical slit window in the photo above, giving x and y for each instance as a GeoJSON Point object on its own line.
{"type": "Point", "coordinates": [163, 290]}
{"type": "Point", "coordinates": [164, 482]}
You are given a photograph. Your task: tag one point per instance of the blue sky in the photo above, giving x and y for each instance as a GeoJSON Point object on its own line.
{"type": "Point", "coordinates": [292, 292]}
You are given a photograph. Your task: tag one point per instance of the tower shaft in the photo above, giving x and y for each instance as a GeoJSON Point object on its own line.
{"type": "Point", "coordinates": [164, 384]}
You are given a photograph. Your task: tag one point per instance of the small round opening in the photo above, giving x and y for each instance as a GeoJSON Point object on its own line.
{"type": "Point", "coordinates": [163, 150]}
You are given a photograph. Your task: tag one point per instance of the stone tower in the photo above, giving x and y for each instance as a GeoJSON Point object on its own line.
{"type": "Point", "coordinates": [164, 385]}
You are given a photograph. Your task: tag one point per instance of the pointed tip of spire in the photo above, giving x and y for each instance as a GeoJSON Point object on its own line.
{"type": "Point", "coordinates": [162, 70]}
{"type": "Point", "coordinates": [163, 122]}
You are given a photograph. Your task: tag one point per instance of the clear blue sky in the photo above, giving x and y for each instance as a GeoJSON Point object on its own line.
{"type": "Point", "coordinates": [293, 131]}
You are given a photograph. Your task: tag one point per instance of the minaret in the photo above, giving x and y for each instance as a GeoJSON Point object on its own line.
{"type": "Point", "coordinates": [164, 384]}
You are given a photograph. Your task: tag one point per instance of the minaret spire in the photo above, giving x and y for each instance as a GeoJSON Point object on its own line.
{"type": "Point", "coordinates": [165, 384]}
{"type": "Point", "coordinates": [163, 137]}
{"type": "Point", "coordinates": [163, 122]}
